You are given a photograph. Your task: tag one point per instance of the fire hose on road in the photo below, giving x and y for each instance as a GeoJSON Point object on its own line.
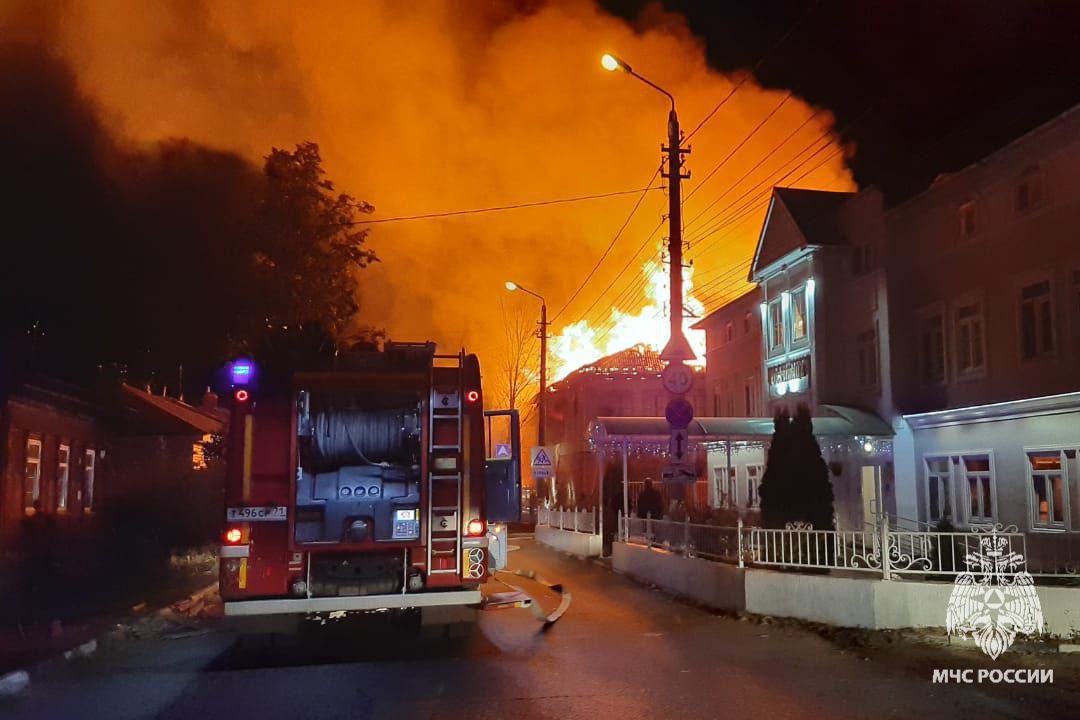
{"type": "Point", "coordinates": [520, 598]}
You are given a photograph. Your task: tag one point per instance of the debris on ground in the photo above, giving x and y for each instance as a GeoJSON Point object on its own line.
{"type": "Point", "coordinates": [184, 618]}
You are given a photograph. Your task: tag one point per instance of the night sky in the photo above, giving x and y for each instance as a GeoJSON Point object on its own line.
{"type": "Point", "coordinates": [920, 87]}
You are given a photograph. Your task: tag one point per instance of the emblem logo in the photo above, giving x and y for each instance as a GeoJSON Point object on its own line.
{"type": "Point", "coordinates": [995, 599]}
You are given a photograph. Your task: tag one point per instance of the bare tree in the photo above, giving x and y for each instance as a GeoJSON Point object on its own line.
{"type": "Point", "coordinates": [518, 362]}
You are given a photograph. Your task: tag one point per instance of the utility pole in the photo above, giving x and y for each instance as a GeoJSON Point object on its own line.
{"type": "Point", "coordinates": [678, 348]}
{"type": "Point", "coordinates": [543, 373]}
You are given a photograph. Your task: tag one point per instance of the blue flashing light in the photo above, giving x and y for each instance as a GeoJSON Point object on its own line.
{"type": "Point", "coordinates": [241, 372]}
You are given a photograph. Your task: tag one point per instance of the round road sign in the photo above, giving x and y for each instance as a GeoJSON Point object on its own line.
{"type": "Point", "coordinates": [679, 412]}
{"type": "Point", "coordinates": [677, 378]}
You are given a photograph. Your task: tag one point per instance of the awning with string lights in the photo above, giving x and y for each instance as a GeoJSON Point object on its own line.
{"type": "Point", "coordinates": [845, 422]}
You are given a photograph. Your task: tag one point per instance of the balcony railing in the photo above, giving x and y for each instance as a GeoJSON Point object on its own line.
{"type": "Point", "coordinates": [583, 521]}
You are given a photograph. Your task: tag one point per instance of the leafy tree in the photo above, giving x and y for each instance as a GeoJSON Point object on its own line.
{"type": "Point", "coordinates": [308, 246]}
{"type": "Point", "coordinates": [777, 496]}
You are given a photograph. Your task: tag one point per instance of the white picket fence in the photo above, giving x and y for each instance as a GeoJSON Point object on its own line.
{"type": "Point", "coordinates": [583, 521]}
{"type": "Point", "coordinates": [907, 552]}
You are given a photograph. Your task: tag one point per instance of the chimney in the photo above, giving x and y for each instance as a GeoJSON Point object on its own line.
{"type": "Point", "coordinates": [209, 400]}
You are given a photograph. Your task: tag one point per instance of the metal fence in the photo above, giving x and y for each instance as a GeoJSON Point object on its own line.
{"type": "Point", "coordinates": [583, 521]}
{"type": "Point", "coordinates": [907, 553]}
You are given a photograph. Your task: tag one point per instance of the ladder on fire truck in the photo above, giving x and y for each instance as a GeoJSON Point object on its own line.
{"type": "Point", "coordinates": [445, 438]}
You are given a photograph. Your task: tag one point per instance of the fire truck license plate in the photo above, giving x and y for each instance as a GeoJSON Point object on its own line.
{"type": "Point", "coordinates": [257, 514]}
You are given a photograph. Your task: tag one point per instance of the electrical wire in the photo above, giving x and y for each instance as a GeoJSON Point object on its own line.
{"type": "Point", "coordinates": [501, 208]}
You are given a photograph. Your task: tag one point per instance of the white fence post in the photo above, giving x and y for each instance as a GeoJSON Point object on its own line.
{"type": "Point", "coordinates": [884, 525]}
{"type": "Point", "coordinates": [575, 519]}
{"type": "Point", "coordinates": [686, 533]}
{"type": "Point", "coordinates": [739, 543]}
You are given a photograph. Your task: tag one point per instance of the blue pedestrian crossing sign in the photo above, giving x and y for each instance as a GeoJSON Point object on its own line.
{"type": "Point", "coordinates": [540, 459]}
{"type": "Point", "coordinates": [502, 450]}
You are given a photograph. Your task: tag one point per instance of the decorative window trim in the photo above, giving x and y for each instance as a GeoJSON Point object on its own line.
{"type": "Point", "coordinates": [979, 371]}
{"type": "Point", "coordinates": [32, 495]}
{"type": "Point", "coordinates": [63, 476]}
{"type": "Point", "coordinates": [949, 481]}
{"type": "Point", "coordinates": [1022, 285]}
{"type": "Point", "coordinates": [961, 475]}
{"type": "Point", "coordinates": [89, 478]}
{"type": "Point", "coordinates": [1029, 488]}
{"type": "Point", "coordinates": [924, 315]}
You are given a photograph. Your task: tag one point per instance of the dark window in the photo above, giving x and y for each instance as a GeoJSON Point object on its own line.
{"type": "Point", "coordinates": [933, 349]}
{"type": "Point", "coordinates": [1036, 320]}
{"type": "Point", "coordinates": [967, 220]}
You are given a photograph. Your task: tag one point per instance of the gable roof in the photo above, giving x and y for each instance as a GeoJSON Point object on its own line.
{"type": "Point", "coordinates": [814, 215]}
{"type": "Point", "coordinates": [159, 414]}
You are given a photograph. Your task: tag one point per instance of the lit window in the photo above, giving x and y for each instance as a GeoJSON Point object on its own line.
{"type": "Point", "coordinates": [63, 466]}
{"type": "Point", "coordinates": [32, 475]}
{"type": "Point", "coordinates": [979, 480]}
{"type": "Point", "coordinates": [932, 350]}
{"type": "Point", "coordinates": [1049, 491]}
{"type": "Point", "coordinates": [967, 220]}
{"type": "Point", "coordinates": [753, 485]}
{"type": "Point", "coordinates": [88, 479]}
{"type": "Point", "coordinates": [726, 479]}
{"type": "Point", "coordinates": [938, 489]}
{"type": "Point", "coordinates": [798, 315]}
{"type": "Point", "coordinates": [1031, 190]}
{"type": "Point", "coordinates": [198, 452]}
{"type": "Point", "coordinates": [1036, 320]}
{"type": "Point", "coordinates": [776, 325]}
{"type": "Point", "coordinates": [970, 340]}
{"type": "Point", "coordinates": [867, 350]}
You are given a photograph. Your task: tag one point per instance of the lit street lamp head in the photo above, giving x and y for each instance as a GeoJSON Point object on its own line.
{"type": "Point", "coordinates": [511, 286]}
{"type": "Point", "coordinates": [611, 63]}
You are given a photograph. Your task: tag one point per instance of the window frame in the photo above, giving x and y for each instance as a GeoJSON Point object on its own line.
{"type": "Point", "coordinates": [1043, 301]}
{"type": "Point", "coordinates": [753, 489]}
{"type": "Point", "coordinates": [962, 473]}
{"type": "Point", "coordinates": [928, 313]}
{"type": "Point", "coordinates": [868, 339]}
{"type": "Point", "coordinates": [797, 342]}
{"type": "Point", "coordinates": [63, 476]}
{"type": "Point", "coordinates": [1033, 179]}
{"type": "Point", "coordinates": [32, 495]}
{"type": "Point", "coordinates": [966, 209]}
{"type": "Point", "coordinates": [89, 476]}
{"type": "Point", "coordinates": [947, 485]}
{"type": "Point", "coordinates": [775, 324]}
{"type": "Point", "coordinates": [976, 371]}
{"type": "Point", "coordinates": [1032, 499]}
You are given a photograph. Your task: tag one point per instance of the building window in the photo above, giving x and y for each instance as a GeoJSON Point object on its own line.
{"type": "Point", "coordinates": [862, 260]}
{"type": "Point", "coordinates": [932, 348]}
{"type": "Point", "coordinates": [748, 323]}
{"type": "Point", "coordinates": [1036, 320]}
{"type": "Point", "coordinates": [938, 489]}
{"type": "Point", "coordinates": [979, 479]}
{"type": "Point", "coordinates": [970, 339]}
{"type": "Point", "coordinates": [728, 495]}
{"type": "Point", "coordinates": [32, 474]}
{"type": "Point", "coordinates": [798, 315]}
{"type": "Point", "coordinates": [866, 346]}
{"type": "Point", "coordinates": [729, 332]}
{"type": "Point", "coordinates": [776, 325]}
{"type": "Point", "coordinates": [753, 486]}
{"type": "Point", "coordinates": [1031, 190]}
{"type": "Point", "coordinates": [748, 394]}
{"type": "Point", "coordinates": [88, 479]}
{"type": "Point", "coordinates": [1049, 490]}
{"type": "Point", "coordinates": [63, 468]}
{"type": "Point", "coordinates": [967, 220]}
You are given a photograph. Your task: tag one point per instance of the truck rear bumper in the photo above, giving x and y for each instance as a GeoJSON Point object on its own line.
{"type": "Point", "coordinates": [242, 608]}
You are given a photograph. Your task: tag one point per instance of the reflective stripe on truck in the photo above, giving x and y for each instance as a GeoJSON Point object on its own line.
{"type": "Point", "coordinates": [360, 602]}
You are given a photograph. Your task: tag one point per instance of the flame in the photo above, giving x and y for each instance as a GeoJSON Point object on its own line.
{"type": "Point", "coordinates": [581, 343]}
{"type": "Point", "coordinates": [429, 106]}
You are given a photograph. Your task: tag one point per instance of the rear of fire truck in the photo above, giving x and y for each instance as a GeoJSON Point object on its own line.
{"type": "Point", "coordinates": [363, 486]}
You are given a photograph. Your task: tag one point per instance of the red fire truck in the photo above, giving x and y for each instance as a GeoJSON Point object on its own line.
{"type": "Point", "coordinates": [364, 485]}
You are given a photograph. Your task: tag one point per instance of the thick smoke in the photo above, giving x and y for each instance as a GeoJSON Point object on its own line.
{"type": "Point", "coordinates": [437, 105]}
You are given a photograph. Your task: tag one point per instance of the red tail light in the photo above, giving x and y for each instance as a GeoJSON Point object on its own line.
{"type": "Point", "coordinates": [472, 395]}
{"type": "Point", "coordinates": [233, 535]}
{"type": "Point", "coordinates": [475, 527]}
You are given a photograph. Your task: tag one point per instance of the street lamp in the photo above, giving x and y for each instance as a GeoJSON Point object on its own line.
{"type": "Point", "coordinates": [513, 286]}
{"type": "Point", "coordinates": [677, 348]}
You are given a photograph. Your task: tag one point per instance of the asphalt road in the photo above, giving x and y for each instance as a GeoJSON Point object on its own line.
{"type": "Point", "coordinates": [621, 651]}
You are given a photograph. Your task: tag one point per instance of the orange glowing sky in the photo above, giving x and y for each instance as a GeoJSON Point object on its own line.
{"type": "Point", "coordinates": [438, 105]}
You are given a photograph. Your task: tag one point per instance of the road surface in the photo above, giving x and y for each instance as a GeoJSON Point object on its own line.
{"type": "Point", "coordinates": [622, 651]}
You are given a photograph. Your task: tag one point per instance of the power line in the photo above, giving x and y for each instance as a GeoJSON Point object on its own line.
{"type": "Point", "coordinates": [611, 244]}
{"type": "Point", "coordinates": [758, 164]}
{"type": "Point", "coordinates": [753, 70]}
{"type": "Point", "coordinates": [501, 208]}
{"type": "Point", "coordinates": [738, 147]}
